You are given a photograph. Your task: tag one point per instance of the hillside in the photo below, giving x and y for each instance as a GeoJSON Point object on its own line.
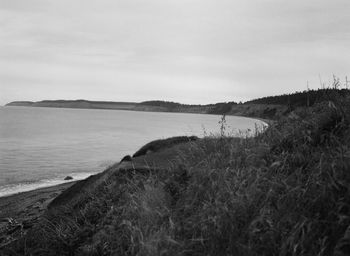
{"type": "Point", "coordinates": [154, 106]}
{"type": "Point", "coordinates": [75, 104]}
{"type": "Point", "coordinates": [267, 111]}
{"type": "Point", "coordinates": [273, 107]}
{"type": "Point", "coordinates": [300, 99]}
{"type": "Point", "coordinates": [283, 192]}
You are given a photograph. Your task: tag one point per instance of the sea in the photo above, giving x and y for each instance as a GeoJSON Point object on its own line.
{"type": "Point", "coordinates": [39, 147]}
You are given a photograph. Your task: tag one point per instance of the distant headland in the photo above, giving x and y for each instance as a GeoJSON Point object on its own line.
{"type": "Point", "coordinates": [279, 192]}
{"type": "Point", "coordinates": [271, 107]}
{"type": "Point", "coordinates": [161, 106]}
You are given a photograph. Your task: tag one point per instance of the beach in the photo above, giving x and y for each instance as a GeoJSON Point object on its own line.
{"type": "Point", "coordinates": [21, 211]}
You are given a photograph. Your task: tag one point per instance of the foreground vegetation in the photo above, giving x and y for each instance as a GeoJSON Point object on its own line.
{"type": "Point", "coordinates": [283, 192]}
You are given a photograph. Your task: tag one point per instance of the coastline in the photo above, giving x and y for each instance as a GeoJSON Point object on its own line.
{"type": "Point", "coordinates": [19, 212]}
{"type": "Point", "coordinates": [268, 122]}
{"type": "Point", "coordinates": [65, 184]}
{"type": "Point", "coordinates": [24, 204]}
{"type": "Point", "coordinates": [14, 189]}
{"type": "Point", "coordinates": [200, 197]}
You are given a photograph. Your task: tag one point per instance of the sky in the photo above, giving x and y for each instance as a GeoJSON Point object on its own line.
{"type": "Point", "coordinates": [188, 51]}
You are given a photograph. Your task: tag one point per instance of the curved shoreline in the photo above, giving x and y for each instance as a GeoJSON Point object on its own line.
{"type": "Point", "coordinates": [26, 207]}
{"type": "Point", "coordinates": [20, 185]}
{"type": "Point", "coordinates": [17, 188]}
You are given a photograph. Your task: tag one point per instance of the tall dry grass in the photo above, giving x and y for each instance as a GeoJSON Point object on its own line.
{"type": "Point", "coordinates": [283, 192]}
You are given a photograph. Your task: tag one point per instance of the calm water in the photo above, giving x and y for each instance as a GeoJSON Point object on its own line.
{"type": "Point", "coordinates": [41, 146]}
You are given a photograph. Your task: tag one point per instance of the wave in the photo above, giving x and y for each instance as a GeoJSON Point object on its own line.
{"type": "Point", "coordinates": [12, 189]}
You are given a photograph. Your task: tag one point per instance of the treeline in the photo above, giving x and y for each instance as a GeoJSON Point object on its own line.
{"type": "Point", "coordinates": [300, 99]}
{"type": "Point", "coordinates": [166, 104]}
{"type": "Point", "coordinates": [293, 100]}
{"type": "Point", "coordinates": [217, 108]}
{"type": "Point", "coordinates": [221, 108]}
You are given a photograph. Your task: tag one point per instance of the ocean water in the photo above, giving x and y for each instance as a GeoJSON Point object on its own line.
{"type": "Point", "coordinates": [41, 146]}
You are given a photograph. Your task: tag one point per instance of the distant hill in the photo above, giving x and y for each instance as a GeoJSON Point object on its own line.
{"type": "Point", "coordinates": [156, 106]}
{"type": "Point", "coordinates": [75, 104]}
{"type": "Point", "coordinates": [282, 192]}
{"type": "Point", "coordinates": [271, 107]}
{"type": "Point", "coordinates": [20, 103]}
{"type": "Point", "coordinates": [300, 99]}
{"type": "Point", "coordinates": [218, 108]}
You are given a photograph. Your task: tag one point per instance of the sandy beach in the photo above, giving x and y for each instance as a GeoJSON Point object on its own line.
{"type": "Point", "coordinates": [21, 211]}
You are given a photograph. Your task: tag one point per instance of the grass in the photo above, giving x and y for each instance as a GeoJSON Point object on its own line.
{"type": "Point", "coordinates": [157, 145]}
{"type": "Point", "coordinates": [283, 192]}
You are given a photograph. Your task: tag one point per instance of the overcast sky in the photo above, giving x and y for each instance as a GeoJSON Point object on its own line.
{"type": "Point", "coordinates": [190, 51]}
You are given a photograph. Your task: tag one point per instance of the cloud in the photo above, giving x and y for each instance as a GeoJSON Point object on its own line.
{"type": "Point", "coordinates": [191, 51]}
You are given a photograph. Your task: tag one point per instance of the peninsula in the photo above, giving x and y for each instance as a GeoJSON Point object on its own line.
{"type": "Point", "coordinates": [272, 107]}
